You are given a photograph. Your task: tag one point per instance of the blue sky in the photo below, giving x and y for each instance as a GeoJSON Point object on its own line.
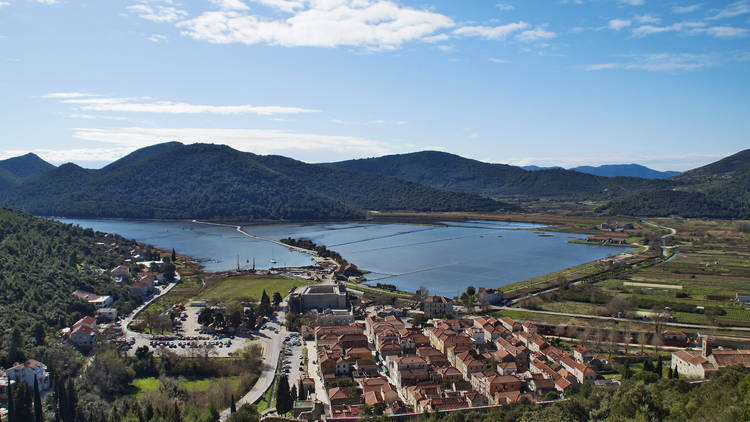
{"type": "Point", "coordinates": [662, 83]}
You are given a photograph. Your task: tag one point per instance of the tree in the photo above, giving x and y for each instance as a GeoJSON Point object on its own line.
{"type": "Point", "coordinates": [15, 345]}
{"type": "Point", "coordinates": [470, 291]}
{"type": "Point", "coordinates": [38, 413]}
{"type": "Point", "coordinates": [174, 255]}
{"type": "Point", "coordinates": [276, 299]}
{"type": "Point", "coordinates": [206, 317]}
{"type": "Point", "coordinates": [250, 318]}
{"type": "Point", "coordinates": [265, 305]}
{"type": "Point", "coordinates": [22, 403]}
{"type": "Point", "coordinates": [293, 393]}
{"type": "Point", "coordinates": [419, 320]}
{"type": "Point", "coordinates": [232, 407]}
{"type": "Point", "coordinates": [283, 396]}
{"type": "Point", "coordinates": [170, 271]}
{"type": "Point", "coordinates": [234, 314]}
{"type": "Point", "coordinates": [38, 333]}
{"type": "Point", "coordinates": [659, 366]}
{"type": "Point", "coordinates": [618, 305]}
{"type": "Point", "coordinates": [301, 393]}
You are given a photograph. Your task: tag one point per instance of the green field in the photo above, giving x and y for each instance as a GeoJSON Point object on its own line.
{"type": "Point", "coordinates": [144, 385]}
{"type": "Point", "coordinates": [242, 288]}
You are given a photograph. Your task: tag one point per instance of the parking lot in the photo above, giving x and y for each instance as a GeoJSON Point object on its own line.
{"type": "Point", "coordinates": [293, 362]}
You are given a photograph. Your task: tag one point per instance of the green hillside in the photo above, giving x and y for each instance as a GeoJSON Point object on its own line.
{"type": "Point", "coordinates": [720, 189]}
{"type": "Point", "coordinates": [448, 171]}
{"type": "Point", "coordinates": [7, 180]}
{"type": "Point", "coordinates": [26, 166]}
{"type": "Point", "coordinates": [190, 181]}
{"type": "Point", "coordinates": [374, 192]}
{"type": "Point", "coordinates": [42, 262]}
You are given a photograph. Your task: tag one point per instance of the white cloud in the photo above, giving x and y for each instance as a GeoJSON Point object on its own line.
{"type": "Point", "coordinates": [230, 4]}
{"type": "Point", "coordinates": [283, 5]}
{"type": "Point", "coordinates": [686, 9]}
{"type": "Point", "coordinates": [504, 6]}
{"type": "Point", "coordinates": [47, 1]}
{"type": "Point", "coordinates": [632, 2]}
{"type": "Point", "coordinates": [492, 32]}
{"type": "Point", "coordinates": [692, 28]}
{"type": "Point", "coordinates": [646, 18]}
{"type": "Point", "coordinates": [262, 141]}
{"type": "Point", "coordinates": [537, 34]}
{"type": "Point", "coordinates": [495, 60]}
{"type": "Point", "coordinates": [157, 37]}
{"type": "Point", "coordinates": [378, 25]}
{"type": "Point", "coordinates": [4, 3]}
{"type": "Point", "coordinates": [737, 8]}
{"type": "Point", "coordinates": [600, 66]}
{"type": "Point", "coordinates": [157, 13]}
{"type": "Point", "coordinates": [58, 95]}
{"type": "Point", "coordinates": [726, 31]}
{"type": "Point", "coordinates": [618, 24]}
{"type": "Point", "coordinates": [660, 62]}
{"type": "Point", "coordinates": [85, 102]}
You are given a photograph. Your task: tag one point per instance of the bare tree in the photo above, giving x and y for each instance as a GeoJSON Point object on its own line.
{"type": "Point", "coordinates": [618, 305]}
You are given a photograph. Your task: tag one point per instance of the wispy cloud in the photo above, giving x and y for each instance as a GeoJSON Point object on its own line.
{"type": "Point", "coordinates": [499, 32]}
{"type": "Point", "coordinates": [496, 60]}
{"type": "Point", "coordinates": [737, 8]}
{"type": "Point", "coordinates": [86, 102]}
{"type": "Point", "coordinates": [230, 4]}
{"type": "Point", "coordinates": [64, 95]}
{"type": "Point", "coordinates": [537, 34]}
{"type": "Point", "coordinates": [692, 28]}
{"type": "Point", "coordinates": [157, 12]}
{"type": "Point", "coordinates": [157, 37]}
{"type": "Point", "coordinates": [618, 24]}
{"type": "Point", "coordinates": [632, 2]}
{"type": "Point", "coordinates": [686, 9]}
{"type": "Point", "coordinates": [262, 141]}
{"type": "Point", "coordinates": [659, 62]}
{"type": "Point", "coordinates": [504, 6]}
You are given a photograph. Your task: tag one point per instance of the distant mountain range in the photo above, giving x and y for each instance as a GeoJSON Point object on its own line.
{"type": "Point", "coordinates": [447, 171]}
{"type": "Point", "coordinates": [173, 180]}
{"type": "Point", "coordinates": [205, 181]}
{"type": "Point", "coordinates": [615, 170]}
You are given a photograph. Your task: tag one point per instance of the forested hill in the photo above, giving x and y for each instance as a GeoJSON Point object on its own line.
{"type": "Point", "coordinates": [26, 166]}
{"type": "Point", "coordinates": [720, 189]}
{"type": "Point", "coordinates": [375, 192]}
{"type": "Point", "coordinates": [206, 181]}
{"type": "Point", "coordinates": [16, 170]}
{"type": "Point", "coordinates": [41, 263]}
{"type": "Point", "coordinates": [448, 171]}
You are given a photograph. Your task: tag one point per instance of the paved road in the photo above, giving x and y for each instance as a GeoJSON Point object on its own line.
{"type": "Point", "coordinates": [126, 322]}
{"type": "Point", "coordinates": [272, 336]}
{"type": "Point", "coordinates": [671, 324]}
{"type": "Point", "coordinates": [314, 371]}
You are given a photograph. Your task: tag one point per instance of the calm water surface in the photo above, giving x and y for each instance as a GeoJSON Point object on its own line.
{"type": "Point", "coordinates": [446, 259]}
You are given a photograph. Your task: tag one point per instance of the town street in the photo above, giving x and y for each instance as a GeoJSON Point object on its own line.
{"type": "Point", "coordinates": [270, 339]}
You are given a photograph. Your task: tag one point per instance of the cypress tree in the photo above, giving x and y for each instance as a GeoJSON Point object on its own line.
{"type": "Point", "coordinates": [283, 398]}
{"type": "Point", "coordinates": [659, 367]}
{"type": "Point", "coordinates": [293, 394]}
{"type": "Point", "coordinates": [265, 304]}
{"type": "Point", "coordinates": [232, 407]}
{"type": "Point", "coordinates": [38, 417]}
{"type": "Point", "coordinates": [301, 393]}
{"type": "Point", "coordinates": [174, 255]}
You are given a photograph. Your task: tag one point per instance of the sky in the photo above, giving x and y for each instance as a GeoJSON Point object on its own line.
{"type": "Point", "coordinates": [556, 82]}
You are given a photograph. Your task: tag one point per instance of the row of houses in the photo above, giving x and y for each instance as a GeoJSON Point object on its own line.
{"type": "Point", "coordinates": [453, 364]}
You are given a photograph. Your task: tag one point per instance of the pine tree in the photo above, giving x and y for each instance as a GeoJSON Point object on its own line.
{"type": "Point", "coordinates": [277, 299]}
{"type": "Point", "coordinates": [283, 398]}
{"type": "Point", "coordinates": [293, 393]}
{"type": "Point", "coordinates": [38, 417]}
{"type": "Point", "coordinates": [22, 406]}
{"type": "Point", "coordinates": [676, 374]}
{"type": "Point", "coordinates": [301, 393]}
{"type": "Point", "coordinates": [232, 407]}
{"type": "Point", "coordinates": [174, 255]}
